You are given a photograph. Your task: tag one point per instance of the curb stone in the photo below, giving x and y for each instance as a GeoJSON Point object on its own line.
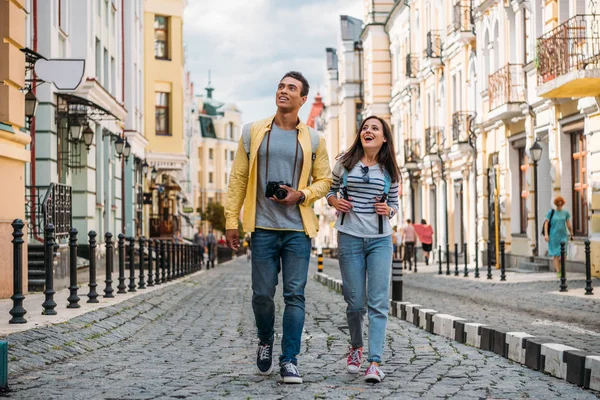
{"type": "Point", "coordinates": [540, 354]}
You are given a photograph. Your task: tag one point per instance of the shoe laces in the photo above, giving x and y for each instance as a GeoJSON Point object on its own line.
{"type": "Point", "coordinates": [291, 368]}
{"type": "Point", "coordinates": [355, 356]}
{"type": "Point", "coordinates": [264, 352]}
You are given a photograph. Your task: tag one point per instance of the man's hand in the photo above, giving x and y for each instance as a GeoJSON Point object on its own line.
{"type": "Point", "coordinates": [233, 239]}
{"type": "Point", "coordinates": [291, 199]}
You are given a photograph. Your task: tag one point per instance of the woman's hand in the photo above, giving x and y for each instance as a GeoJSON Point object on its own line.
{"type": "Point", "coordinates": [340, 204]}
{"type": "Point", "coordinates": [382, 208]}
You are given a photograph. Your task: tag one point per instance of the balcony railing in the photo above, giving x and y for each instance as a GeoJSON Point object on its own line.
{"type": "Point", "coordinates": [412, 150]}
{"type": "Point", "coordinates": [434, 139]}
{"type": "Point", "coordinates": [507, 85]}
{"type": "Point", "coordinates": [462, 20]}
{"type": "Point", "coordinates": [434, 44]}
{"type": "Point", "coordinates": [48, 205]}
{"type": "Point", "coordinates": [461, 126]}
{"type": "Point", "coordinates": [412, 65]}
{"type": "Point", "coordinates": [571, 46]}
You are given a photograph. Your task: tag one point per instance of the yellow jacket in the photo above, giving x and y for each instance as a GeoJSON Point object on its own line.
{"type": "Point", "coordinates": [242, 181]}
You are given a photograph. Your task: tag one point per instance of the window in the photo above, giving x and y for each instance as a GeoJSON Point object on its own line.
{"type": "Point", "coordinates": [98, 60]}
{"type": "Point", "coordinates": [230, 131]}
{"type": "Point", "coordinates": [99, 8]}
{"type": "Point", "coordinates": [225, 156]}
{"type": "Point", "coordinates": [162, 113]}
{"type": "Point", "coordinates": [210, 177]}
{"type": "Point", "coordinates": [105, 81]}
{"type": "Point", "coordinates": [106, 13]}
{"type": "Point", "coordinates": [579, 170]}
{"type": "Point", "coordinates": [226, 178]}
{"type": "Point", "coordinates": [523, 166]}
{"type": "Point", "coordinates": [113, 77]}
{"type": "Point", "coordinates": [232, 155]}
{"type": "Point", "coordinates": [62, 15]}
{"type": "Point", "coordinates": [210, 154]}
{"type": "Point", "coordinates": [161, 37]}
{"type": "Point", "coordinates": [113, 26]}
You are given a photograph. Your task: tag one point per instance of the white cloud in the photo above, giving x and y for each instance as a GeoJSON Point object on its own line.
{"type": "Point", "coordinates": [249, 45]}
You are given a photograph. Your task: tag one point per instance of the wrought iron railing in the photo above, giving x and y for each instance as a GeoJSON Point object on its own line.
{"type": "Point", "coordinates": [434, 139]}
{"type": "Point", "coordinates": [461, 126]}
{"type": "Point", "coordinates": [49, 205]}
{"type": "Point", "coordinates": [462, 20]}
{"type": "Point", "coordinates": [434, 44]}
{"type": "Point", "coordinates": [412, 150]}
{"type": "Point", "coordinates": [412, 65]}
{"type": "Point", "coordinates": [572, 46]}
{"type": "Point", "coordinates": [507, 85]}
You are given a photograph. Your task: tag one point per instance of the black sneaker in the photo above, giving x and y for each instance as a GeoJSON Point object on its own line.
{"type": "Point", "coordinates": [264, 358]}
{"type": "Point", "coordinates": [289, 373]}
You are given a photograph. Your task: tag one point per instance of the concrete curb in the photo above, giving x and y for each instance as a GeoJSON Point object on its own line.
{"type": "Point", "coordinates": [540, 354]}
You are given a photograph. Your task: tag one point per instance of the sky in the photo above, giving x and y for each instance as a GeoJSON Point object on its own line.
{"type": "Point", "coordinates": [250, 44]}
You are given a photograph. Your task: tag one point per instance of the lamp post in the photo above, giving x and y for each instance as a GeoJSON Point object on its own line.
{"type": "Point", "coordinates": [88, 137]}
{"type": "Point", "coordinates": [458, 189]}
{"type": "Point", "coordinates": [126, 150]}
{"type": "Point", "coordinates": [119, 145]}
{"type": "Point", "coordinates": [31, 104]}
{"type": "Point", "coordinates": [536, 153]}
{"type": "Point", "coordinates": [145, 168]}
{"type": "Point", "coordinates": [153, 174]}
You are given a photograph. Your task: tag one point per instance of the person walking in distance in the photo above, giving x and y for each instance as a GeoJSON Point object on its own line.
{"type": "Point", "coordinates": [409, 236]}
{"type": "Point", "coordinates": [557, 229]}
{"type": "Point", "coordinates": [425, 234]}
{"type": "Point", "coordinates": [211, 244]}
{"type": "Point", "coordinates": [280, 169]}
{"type": "Point", "coordinates": [200, 241]}
{"type": "Point", "coordinates": [365, 192]}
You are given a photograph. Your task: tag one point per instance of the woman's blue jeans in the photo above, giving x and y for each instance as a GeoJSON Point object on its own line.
{"type": "Point", "coordinates": [291, 251]}
{"type": "Point", "coordinates": [362, 258]}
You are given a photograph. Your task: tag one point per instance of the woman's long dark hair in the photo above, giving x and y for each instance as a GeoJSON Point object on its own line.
{"type": "Point", "coordinates": [386, 157]}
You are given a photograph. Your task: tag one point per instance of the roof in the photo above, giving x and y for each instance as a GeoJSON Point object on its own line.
{"type": "Point", "coordinates": [315, 111]}
{"type": "Point", "coordinates": [332, 59]}
{"type": "Point", "coordinates": [351, 28]}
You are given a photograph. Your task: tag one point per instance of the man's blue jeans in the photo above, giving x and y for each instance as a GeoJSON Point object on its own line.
{"type": "Point", "coordinates": [362, 258]}
{"type": "Point", "coordinates": [291, 250]}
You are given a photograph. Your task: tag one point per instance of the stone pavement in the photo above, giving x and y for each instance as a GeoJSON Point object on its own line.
{"type": "Point", "coordinates": [535, 307]}
{"type": "Point", "coordinates": [196, 339]}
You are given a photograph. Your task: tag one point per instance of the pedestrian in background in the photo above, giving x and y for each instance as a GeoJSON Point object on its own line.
{"type": "Point", "coordinates": [557, 229]}
{"type": "Point", "coordinates": [211, 244]}
{"type": "Point", "coordinates": [366, 177]}
{"type": "Point", "coordinates": [281, 168]}
{"type": "Point", "coordinates": [409, 237]}
{"type": "Point", "coordinates": [200, 241]}
{"type": "Point", "coordinates": [400, 245]}
{"type": "Point", "coordinates": [425, 233]}
{"type": "Point", "coordinates": [177, 237]}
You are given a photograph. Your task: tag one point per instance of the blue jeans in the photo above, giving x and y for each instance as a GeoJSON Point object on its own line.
{"type": "Point", "coordinates": [359, 258]}
{"type": "Point", "coordinates": [291, 251]}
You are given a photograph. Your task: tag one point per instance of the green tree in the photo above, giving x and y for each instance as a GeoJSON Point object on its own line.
{"type": "Point", "coordinates": [215, 214]}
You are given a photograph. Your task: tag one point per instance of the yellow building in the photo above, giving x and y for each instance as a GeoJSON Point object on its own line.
{"type": "Point", "coordinates": [164, 111]}
{"type": "Point", "coordinates": [13, 141]}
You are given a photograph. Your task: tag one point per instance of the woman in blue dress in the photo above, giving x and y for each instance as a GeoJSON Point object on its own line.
{"type": "Point", "coordinates": [560, 230]}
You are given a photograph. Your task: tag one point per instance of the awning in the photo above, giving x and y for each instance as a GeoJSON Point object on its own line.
{"type": "Point", "coordinates": [72, 104]}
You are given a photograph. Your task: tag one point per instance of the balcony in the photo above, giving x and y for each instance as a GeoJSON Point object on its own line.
{"type": "Point", "coordinates": [462, 22]}
{"type": "Point", "coordinates": [506, 88]}
{"type": "Point", "coordinates": [462, 122]}
{"type": "Point", "coordinates": [412, 153]}
{"type": "Point", "coordinates": [434, 139]}
{"type": "Point", "coordinates": [411, 69]}
{"type": "Point", "coordinates": [433, 52]}
{"type": "Point", "coordinates": [568, 63]}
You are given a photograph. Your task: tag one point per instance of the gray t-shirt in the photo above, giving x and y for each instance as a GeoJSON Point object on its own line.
{"type": "Point", "coordinates": [282, 151]}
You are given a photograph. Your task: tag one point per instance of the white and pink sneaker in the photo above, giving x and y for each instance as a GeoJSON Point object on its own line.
{"type": "Point", "coordinates": [374, 374]}
{"type": "Point", "coordinates": [354, 360]}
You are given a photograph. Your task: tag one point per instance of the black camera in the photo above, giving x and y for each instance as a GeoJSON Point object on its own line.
{"type": "Point", "coordinates": [275, 189]}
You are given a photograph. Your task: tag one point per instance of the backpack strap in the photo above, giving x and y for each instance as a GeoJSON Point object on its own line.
{"type": "Point", "coordinates": [387, 182]}
{"type": "Point", "coordinates": [246, 139]}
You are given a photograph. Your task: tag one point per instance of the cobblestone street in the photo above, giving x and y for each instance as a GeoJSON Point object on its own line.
{"type": "Point", "coordinates": [196, 339]}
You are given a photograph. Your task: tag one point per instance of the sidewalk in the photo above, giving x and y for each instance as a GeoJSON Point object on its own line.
{"type": "Point", "coordinates": [525, 302]}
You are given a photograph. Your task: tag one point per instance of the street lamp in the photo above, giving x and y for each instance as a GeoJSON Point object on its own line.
{"type": "Point", "coordinates": [88, 137]}
{"type": "Point", "coordinates": [119, 145]}
{"type": "Point", "coordinates": [145, 168]}
{"type": "Point", "coordinates": [75, 129]}
{"type": "Point", "coordinates": [154, 174]}
{"type": "Point", "coordinates": [126, 150]}
{"type": "Point", "coordinates": [536, 153]}
{"type": "Point", "coordinates": [31, 104]}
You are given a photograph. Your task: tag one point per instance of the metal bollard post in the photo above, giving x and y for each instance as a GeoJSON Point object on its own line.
{"type": "Point", "coordinates": [188, 259]}
{"type": "Point", "coordinates": [588, 270]}
{"type": "Point", "coordinates": [122, 288]}
{"type": "Point", "coordinates": [171, 259]}
{"type": "Point", "coordinates": [320, 262]}
{"type": "Point", "coordinates": [476, 259]}
{"type": "Point", "coordinates": [563, 272]}
{"type": "Point", "coordinates": [397, 280]}
{"type": "Point", "coordinates": [175, 260]}
{"type": "Point", "coordinates": [440, 272]}
{"type": "Point", "coordinates": [132, 264]}
{"type": "Point", "coordinates": [455, 259]}
{"type": "Point", "coordinates": [141, 281]}
{"type": "Point", "coordinates": [502, 261]}
{"type": "Point", "coordinates": [415, 257]}
{"type": "Point", "coordinates": [447, 259]}
{"type": "Point", "coordinates": [156, 262]}
{"type": "Point", "coordinates": [17, 311]}
{"type": "Point", "coordinates": [150, 262]}
{"type": "Point", "coordinates": [49, 304]}
{"type": "Point", "coordinates": [73, 288]}
{"type": "Point", "coordinates": [489, 259]}
{"type": "Point", "coordinates": [466, 274]}
{"type": "Point", "coordinates": [110, 252]}
{"type": "Point", "coordinates": [163, 262]}
{"type": "Point", "coordinates": [92, 294]}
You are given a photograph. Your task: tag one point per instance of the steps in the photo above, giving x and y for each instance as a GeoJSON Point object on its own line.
{"type": "Point", "coordinates": [36, 271]}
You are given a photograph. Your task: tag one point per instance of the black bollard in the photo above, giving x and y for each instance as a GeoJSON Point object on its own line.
{"type": "Point", "coordinates": [440, 272]}
{"type": "Point", "coordinates": [447, 259]}
{"type": "Point", "coordinates": [157, 262]}
{"type": "Point", "coordinates": [122, 288]}
{"type": "Point", "coordinates": [49, 304]}
{"type": "Point", "coordinates": [132, 264]}
{"type": "Point", "coordinates": [150, 262]}
{"type": "Point", "coordinates": [415, 257]}
{"type": "Point", "coordinates": [191, 258]}
{"type": "Point", "coordinates": [563, 272]}
{"type": "Point", "coordinates": [171, 260]}
{"type": "Point", "coordinates": [588, 270]}
{"type": "Point", "coordinates": [396, 280]}
{"type": "Point", "coordinates": [179, 260]}
{"type": "Point", "coordinates": [455, 259]}
{"type": "Point", "coordinates": [174, 267]}
{"type": "Point", "coordinates": [502, 261]}
{"type": "Point", "coordinates": [163, 262]}
{"type": "Point", "coordinates": [92, 294]}
{"type": "Point", "coordinates": [476, 259]}
{"type": "Point", "coordinates": [489, 259]}
{"type": "Point", "coordinates": [73, 287]}
{"type": "Point", "coordinates": [142, 282]}
{"type": "Point", "coordinates": [17, 311]}
{"type": "Point", "coordinates": [110, 253]}
{"type": "Point", "coordinates": [466, 274]}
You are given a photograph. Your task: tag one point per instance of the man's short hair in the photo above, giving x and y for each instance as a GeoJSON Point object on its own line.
{"type": "Point", "coordinates": [299, 77]}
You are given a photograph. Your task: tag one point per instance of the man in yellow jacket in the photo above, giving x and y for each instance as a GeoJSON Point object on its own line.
{"type": "Point", "coordinates": [281, 168]}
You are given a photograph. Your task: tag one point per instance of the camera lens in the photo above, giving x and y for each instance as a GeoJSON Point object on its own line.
{"type": "Point", "coordinates": [281, 194]}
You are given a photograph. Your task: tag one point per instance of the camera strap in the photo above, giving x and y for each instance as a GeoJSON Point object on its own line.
{"type": "Point", "coordinates": [267, 157]}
